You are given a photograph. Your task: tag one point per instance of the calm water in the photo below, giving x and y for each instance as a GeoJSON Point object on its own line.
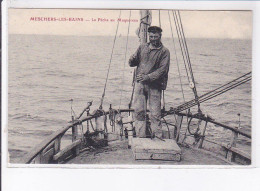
{"type": "Point", "coordinates": [45, 72]}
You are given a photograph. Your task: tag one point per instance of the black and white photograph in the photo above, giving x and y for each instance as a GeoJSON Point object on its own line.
{"type": "Point", "coordinates": [130, 87]}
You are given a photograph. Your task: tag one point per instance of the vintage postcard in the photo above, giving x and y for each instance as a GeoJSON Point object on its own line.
{"type": "Point", "coordinates": [129, 87]}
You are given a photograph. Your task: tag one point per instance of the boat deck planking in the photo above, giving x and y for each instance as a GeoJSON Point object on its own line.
{"type": "Point", "coordinates": [117, 153]}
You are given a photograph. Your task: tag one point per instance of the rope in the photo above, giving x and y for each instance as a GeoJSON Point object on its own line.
{"type": "Point", "coordinates": [176, 58]}
{"type": "Point", "coordinates": [125, 61]}
{"type": "Point", "coordinates": [247, 75]}
{"type": "Point", "coordinates": [216, 93]}
{"type": "Point", "coordinates": [186, 48]}
{"type": "Point", "coordinates": [190, 69]}
{"type": "Point", "coordinates": [111, 56]}
{"type": "Point", "coordinates": [182, 37]}
{"type": "Point", "coordinates": [177, 30]}
{"type": "Point", "coordinates": [222, 89]}
{"type": "Point", "coordinates": [159, 18]}
{"type": "Point", "coordinates": [178, 69]}
{"type": "Point", "coordinates": [187, 57]}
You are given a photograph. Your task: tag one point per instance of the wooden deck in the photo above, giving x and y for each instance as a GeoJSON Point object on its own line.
{"type": "Point", "coordinates": [118, 153]}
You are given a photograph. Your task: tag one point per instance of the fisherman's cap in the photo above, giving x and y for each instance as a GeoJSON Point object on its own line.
{"type": "Point", "coordinates": [154, 29]}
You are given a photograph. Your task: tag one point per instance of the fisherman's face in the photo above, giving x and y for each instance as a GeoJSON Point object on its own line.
{"type": "Point", "coordinates": [155, 38]}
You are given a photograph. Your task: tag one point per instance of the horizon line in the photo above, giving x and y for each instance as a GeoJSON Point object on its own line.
{"type": "Point", "coordinates": [131, 36]}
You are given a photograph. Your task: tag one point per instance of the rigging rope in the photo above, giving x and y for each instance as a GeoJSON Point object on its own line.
{"type": "Point", "coordinates": [122, 88]}
{"type": "Point", "coordinates": [104, 91]}
{"type": "Point", "coordinates": [181, 45]}
{"type": "Point", "coordinates": [181, 35]}
{"type": "Point", "coordinates": [189, 62]}
{"type": "Point", "coordinates": [179, 23]}
{"type": "Point", "coordinates": [218, 91]}
{"type": "Point", "coordinates": [176, 58]}
{"type": "Point", "coordinates": [160, 19]}
{"type": "Point", "coordinates": [178, 70]}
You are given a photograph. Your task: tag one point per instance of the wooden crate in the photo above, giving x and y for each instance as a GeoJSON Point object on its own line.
{"type": "Point", "coordinates": [155, 149]}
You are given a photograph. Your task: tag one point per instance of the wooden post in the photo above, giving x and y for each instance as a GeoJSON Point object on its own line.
{"type": "Point", "coordinates": [203, 134]}
{"type": "Point", "coordinates": [74, 138]}
{"type": "Point", "coordinates": [230, 154]}
{"type": "Point", "coordinates": [57, 145]}
{"type": "Point", "coordinates": [74, 133]}
{"type": "Point", "coordinates": [234, 138]}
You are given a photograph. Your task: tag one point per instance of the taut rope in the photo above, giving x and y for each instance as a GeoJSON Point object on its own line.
{"type": "Point", "coordinates": [111, 56]}
{"type": "Point", "coordinates": [122, 88]}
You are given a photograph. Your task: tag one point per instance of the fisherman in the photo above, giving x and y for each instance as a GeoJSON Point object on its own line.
{"type": "Point", "coordinates": [152, 60]}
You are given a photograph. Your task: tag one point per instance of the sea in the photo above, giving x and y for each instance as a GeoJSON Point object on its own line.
{"type": "Point", "coordinates": [49, 76]}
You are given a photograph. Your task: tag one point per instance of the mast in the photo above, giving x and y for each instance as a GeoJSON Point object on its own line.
{"type": "Point", "coordinates": [145, 21]}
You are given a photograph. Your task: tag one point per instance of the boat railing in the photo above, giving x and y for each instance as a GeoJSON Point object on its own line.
{"type": "Point", "coordinates": [49, 150]}
{"type": "Point", "coordinates": [228, 149]}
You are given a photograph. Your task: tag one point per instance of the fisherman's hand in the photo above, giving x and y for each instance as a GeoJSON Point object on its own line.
{"type": "Point", "coordinates": [142, 78]}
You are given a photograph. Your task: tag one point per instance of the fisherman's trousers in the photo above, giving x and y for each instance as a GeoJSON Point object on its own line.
{"type": "Point", "coordinates": [145, 93]}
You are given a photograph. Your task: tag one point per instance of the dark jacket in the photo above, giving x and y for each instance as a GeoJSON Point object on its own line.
{"type": "Point", "coordinates": [154, 62]}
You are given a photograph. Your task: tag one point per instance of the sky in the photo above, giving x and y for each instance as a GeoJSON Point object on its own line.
{"type": "Point", "coordinates": [196, 24]}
